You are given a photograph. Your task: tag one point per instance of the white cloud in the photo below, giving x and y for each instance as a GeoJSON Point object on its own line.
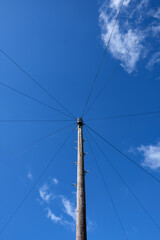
{"type": "Point", "coordinates": [157, 14]}
{"type": "Point", "coordinates": [62, 204]}
{"type": "Point", "coordinates": [30, 176]}
{"type": "Point", "coordinates": [151, 155]}
{"type": "Point", "coordinates": [52, 216]}
{"type": "Point", "coordinates": [155, 29]}
{"type": "Point", "coordinates": [142, 4]}
{"type": "Point", "coordinates": [90, 225]}
{"type": "Point", "coordinates": [116, 3]}
{"type": "Point", "coordinates": [128, 40]}
{"type": "Point", "coordinates": [45, 195]}
{"type": "Point", "coordinates": [69, 208]}
{"type": "Point", "coordinates": [124, 45]}
{"type": "Point", "coordinates": [60, 220]}
{"type": "Point", "coordinates": [154, 60]}
{"type": "Point", "coordinates": [55, 181]}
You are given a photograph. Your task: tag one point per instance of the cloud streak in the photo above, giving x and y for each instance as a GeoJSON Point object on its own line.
{"type": "Point", "coordinates": [128, 42]}
{"type": "Point", "coordinates": [45, 195]}
{"type": "Point", "coordinates": [59, 202]}
{"type": "Point", "coordinates": [30, 176]}
{"type": "Point", "coordinates": [55, 181]}
{"type": "Point", "coordinates": [69, 208]}
{"type": "Point", "coordinates": [154, 60]}
{"type": "Point", "coordinates": [66, 207]}
{"type": "Point", "coordinates": [52, 216]}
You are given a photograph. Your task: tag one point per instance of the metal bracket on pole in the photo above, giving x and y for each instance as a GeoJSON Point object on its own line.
{"type": "Point", "coordinates": [85, 172]}
{"type": "Point", "coordinates": [85, 154]}
{"type": "Point", "coordinates": [74, 184]}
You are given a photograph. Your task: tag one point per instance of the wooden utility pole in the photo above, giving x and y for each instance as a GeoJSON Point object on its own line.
{"type": "Point", "coordinates": [81, 232]}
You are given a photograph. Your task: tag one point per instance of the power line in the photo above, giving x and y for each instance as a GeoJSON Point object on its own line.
{"type": "Point", "coordinates": [34, 99]}
{"type": "Point", "coordinates": [123, 154]}
{"type": "Point", "coordinates": [40, 86]}
{"type": "Point", "coordinates": [124, 182]}
{"type": "Point", "coordinates": [109, 194]}
{"type": "Point", "coordinates": [26, 147]}
{"type": "Point", "coordinates": [98, 95]}
{"type": "Point", "coordinates": [112, 75]}
{"type": "Point", "coordinates": [123, 116]}
{"type": "Point", "coordinates": [32, 121]}
{"type": "Point", "coordinates": [100, 65]}
{"type": "Point", "coordinates": [34, 184]}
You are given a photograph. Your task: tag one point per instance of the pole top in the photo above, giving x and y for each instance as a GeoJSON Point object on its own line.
{"type": "Point", "coordinates": [79, 121]}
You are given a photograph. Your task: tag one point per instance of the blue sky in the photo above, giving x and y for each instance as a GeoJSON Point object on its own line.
{"type": "Point", "coordinates": [60, 44]}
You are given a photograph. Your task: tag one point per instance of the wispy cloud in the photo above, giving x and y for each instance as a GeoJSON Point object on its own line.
{"type": "Point", "coordinates": [61, 203]}
{"type": "Point", "coordinates": [151, 155]}
{"type": "Point", "coordinates": [116, 3]}
{"type": "Point", "coordinates": [157, 14]}
{"type": "Point", "coordinates": [91, 225]}
{"type": "Point", "coordinates": [55, 181]}
{"type": "Point", "coordinates": [60, 220]}
{"type": "Point", "coordinates": [154, 60]}
{"type": "Point", "coordinates": [52, 216]}
{"type": "Point", "coordinates": [30, 175]}
{"type": "Point", "coordinates": [64, 205]}
{"type": "Point", "coordinates": [69, 208]}
{"type": "Point", "coordinates": [45, 194]}
{"type": "Point", "coordinates": [128, 40]}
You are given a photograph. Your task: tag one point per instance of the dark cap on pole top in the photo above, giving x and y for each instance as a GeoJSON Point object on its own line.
{"type": "Point", "coordinates": [79, 121]}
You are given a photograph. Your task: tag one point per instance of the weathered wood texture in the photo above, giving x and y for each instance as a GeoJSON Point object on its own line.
{"type": "Point", "coordinates": [81, 233]}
